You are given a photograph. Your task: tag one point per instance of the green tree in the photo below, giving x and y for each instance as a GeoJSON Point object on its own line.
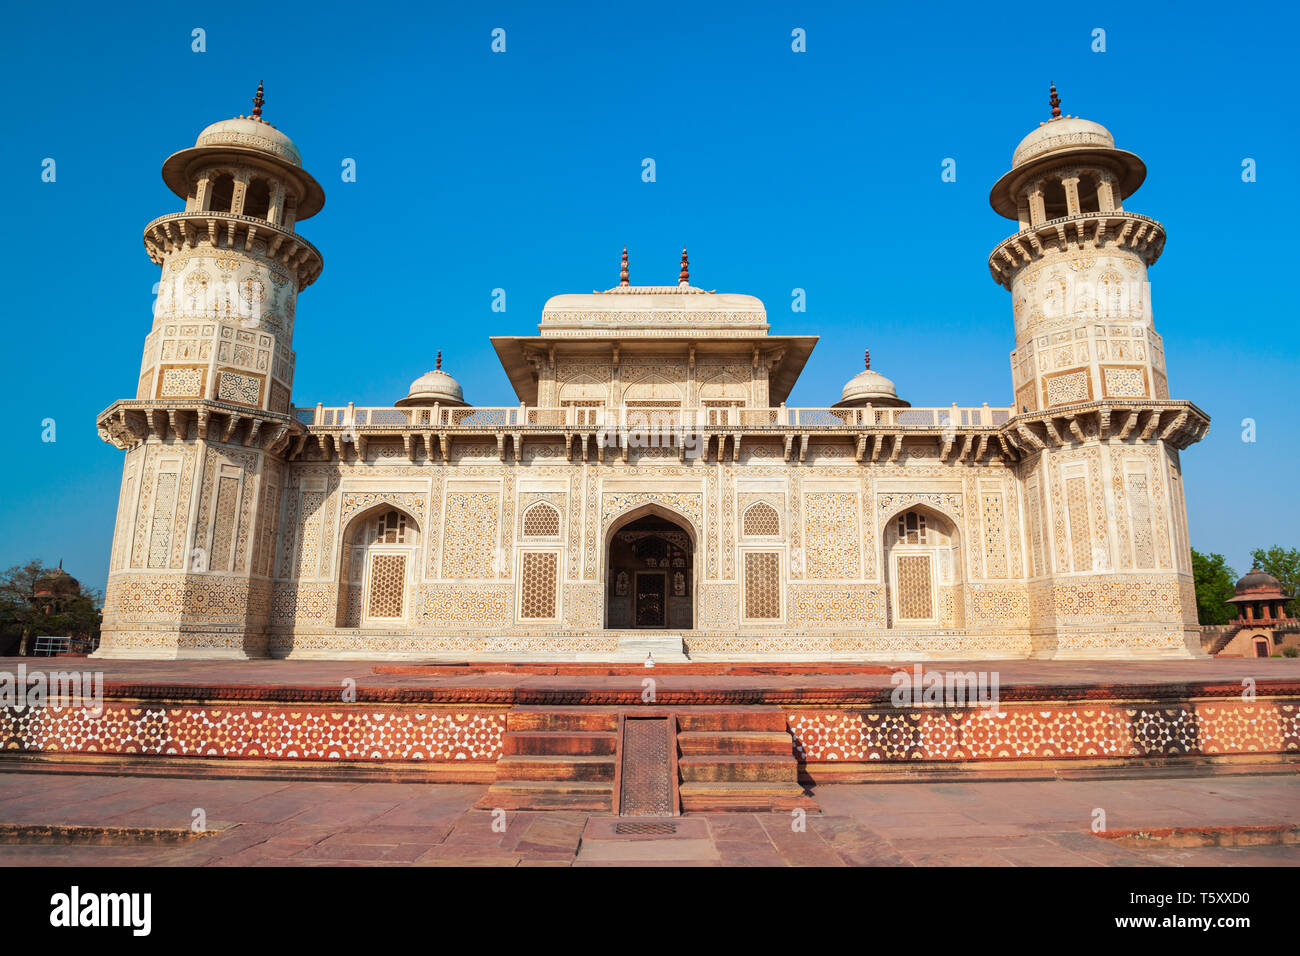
{"type": "Point", "coordinates": [1283, 564]}
{"type": "Point", "coordinates": [1215, 583]}
{"type": "Point", "coordinates": [35, 599]}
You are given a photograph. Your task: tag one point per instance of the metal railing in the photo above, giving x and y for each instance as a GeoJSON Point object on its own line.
{"type": "Point", "coordinates": [624, 417]}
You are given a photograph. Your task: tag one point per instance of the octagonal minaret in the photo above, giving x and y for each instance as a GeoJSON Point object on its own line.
{"type": "Point", "coordinates": [1105, 515]}
{"type": "Point", "coordinates": [208, 431]}
{"type": "Point", "coordinates": [232, 260]}
{"type": "Point", "coordinates": [1077, 268]}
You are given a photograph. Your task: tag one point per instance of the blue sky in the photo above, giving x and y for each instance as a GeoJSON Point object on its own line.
{"type": "Point", "coordinates": [522, 171]}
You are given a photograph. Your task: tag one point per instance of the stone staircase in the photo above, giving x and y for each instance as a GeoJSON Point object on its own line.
{"type": "Point", "coordinates": [556, 759]}
{"type": "Point", "coordinates": [728, 758]}
{"type": "Point", "coordinates": [737, 758]}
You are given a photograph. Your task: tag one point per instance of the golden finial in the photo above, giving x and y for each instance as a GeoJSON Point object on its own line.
{"type": "Point", "coordinates": [684, 277]}
{"type": "Point", "coordinates": [622, 276]}
{"type": "Point", "coordinates": [257, 102]}
{"type": "Point", "coordinates": [1056, 103]}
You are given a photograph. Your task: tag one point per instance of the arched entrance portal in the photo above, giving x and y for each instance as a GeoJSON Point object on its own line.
{"type": "Point", "coordinates": [650, 575]}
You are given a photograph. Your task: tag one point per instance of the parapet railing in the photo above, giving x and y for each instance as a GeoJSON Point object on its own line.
{"type": "Point", "coordinates": [625, 417]}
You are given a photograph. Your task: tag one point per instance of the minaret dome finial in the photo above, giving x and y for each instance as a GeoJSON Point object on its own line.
{"type": "Point", "coordinates": [622, 276]}
{"type": "Point", "coordinates": [438, 362]}
{"type": "Point", "coordinates": [684, 277]}
{"type": "Point", "coordinates": [866, 358]}
{"type": "Point", "coordinates": [1056, 103]}
{"type": "Point", "coordinates": [257, 102]}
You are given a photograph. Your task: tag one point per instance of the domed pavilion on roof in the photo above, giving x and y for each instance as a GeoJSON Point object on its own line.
{"type": "Point", "coordinates": [650, 488]}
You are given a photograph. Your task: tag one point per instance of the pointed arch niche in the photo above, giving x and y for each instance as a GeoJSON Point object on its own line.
{"type": "Point", "coordinates": [378, 568]}
{"type": "Point", "coordinates": [923, 569]}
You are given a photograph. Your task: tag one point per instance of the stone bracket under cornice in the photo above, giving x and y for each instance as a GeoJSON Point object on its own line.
{"type": "Point", "coordinates": [127, 423]}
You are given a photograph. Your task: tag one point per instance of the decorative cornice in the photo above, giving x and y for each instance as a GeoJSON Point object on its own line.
{"type": "Point", "coordinates": [1175, 423]}
{"type": "Point", "coordinates": [1091, 230]}
{"type": "Point", "coordinates": [223, 230]}
{"type": "Point", "coordinates": [127, 423]}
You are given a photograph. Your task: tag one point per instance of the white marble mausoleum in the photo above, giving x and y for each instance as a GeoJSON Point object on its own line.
{"type": "Point", "coordinates": [651, 490]}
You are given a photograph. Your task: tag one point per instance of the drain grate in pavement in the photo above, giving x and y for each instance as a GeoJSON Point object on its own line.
{"type": "Point", "coordinates": [645, 829]}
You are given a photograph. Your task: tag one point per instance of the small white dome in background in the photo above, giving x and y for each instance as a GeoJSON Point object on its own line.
{"type": "Point", "coordinates": [434, 387]}
{"type": "Point", "coordinates": [870, 388]}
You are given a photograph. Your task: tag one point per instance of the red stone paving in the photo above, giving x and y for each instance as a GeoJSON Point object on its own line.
{"type": "Point", "coordinates": [1018, 823]}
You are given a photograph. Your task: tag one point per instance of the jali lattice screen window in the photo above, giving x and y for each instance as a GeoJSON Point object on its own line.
{"type": "Point", "coordinates": [762, 585]}
{"type": "Point", "coordinates": [760, 520]}
{"type": "Point", "coordinates": [387, 586]}
{"type": "Point", "coordinates": [540, 574]}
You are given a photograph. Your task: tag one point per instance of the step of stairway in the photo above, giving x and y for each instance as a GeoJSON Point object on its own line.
{"type": "Point", "coordinates": [548, 795]}
{"type": "Point", "coordinates": [702, 742]}
{"type": "Point", "coordinates": [559, 743]}
{"type": "Point", "coordinates": [735, 768]}
{"type": "Point", "coordinates": [592, 720]}
{"type": "Point", "coordinates": [555, 768]}
{"type": "Point", "coordinates": [734, 718]}
{"type": "Point", "coordinates": [702, 797]}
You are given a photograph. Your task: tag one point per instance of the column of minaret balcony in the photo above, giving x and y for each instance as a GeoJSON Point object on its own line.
{"type": "Point", "coordinates": [1071, 184]}
{"type": "Point", "coordinates": [1037, 209]}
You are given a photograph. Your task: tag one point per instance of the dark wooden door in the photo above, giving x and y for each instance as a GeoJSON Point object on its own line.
{"type": "Point", "coordinates": [651, 599]}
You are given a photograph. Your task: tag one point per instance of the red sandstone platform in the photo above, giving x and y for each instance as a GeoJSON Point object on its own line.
{"type": "Point", "coordinates": [738, 736]}
{"type": "Point", "coordinates": [691, 683]}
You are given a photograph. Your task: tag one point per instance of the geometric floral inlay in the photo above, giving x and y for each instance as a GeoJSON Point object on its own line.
{"type": "Point", "coordinates": [245, 389]}
{"type": "Point", "coordinates": [1047, 731]}
{"type": "Point", "coordinates": [266, 732]}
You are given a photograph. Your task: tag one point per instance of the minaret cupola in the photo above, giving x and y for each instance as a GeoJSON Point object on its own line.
{"type": "Point", "coordinates": [1077, 268]}
{"type": "Point", "coordinates": [232, 264]}
{"type": "Point", "coordinates": [247, 167]}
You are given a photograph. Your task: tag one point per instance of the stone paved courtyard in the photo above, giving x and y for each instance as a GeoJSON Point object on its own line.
{"type": "Point", "coordinates": [997, 823]}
